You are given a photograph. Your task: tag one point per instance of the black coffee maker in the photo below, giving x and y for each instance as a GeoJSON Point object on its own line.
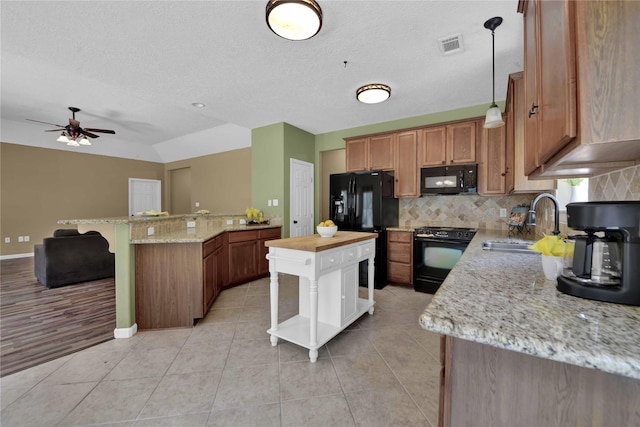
{"type": "Point", "coordinates": [606, 260]}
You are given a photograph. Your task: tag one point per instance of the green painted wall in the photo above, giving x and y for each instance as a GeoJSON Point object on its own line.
{"type": "Point", "coordinates": [271, 148]}
{"type": "Point", "coordinates": [267, 168]}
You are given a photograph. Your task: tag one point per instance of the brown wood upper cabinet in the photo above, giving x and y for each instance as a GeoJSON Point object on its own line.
{"type": "Point", "coordinates": [395, 151]}
{"type": "Point", "coordinates": [493, 173]}
{"type": "Point", "coordinates": [370, 153]}
{"type": "Point", "coordinates": [450, 144]}
{"type": "Point", "coordinates": [581, 86]}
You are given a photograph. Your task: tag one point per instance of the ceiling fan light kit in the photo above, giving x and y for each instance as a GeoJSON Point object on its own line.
{"type": "Point", "coordinates": [72, 134]}
{"type": "Point", "coordinates": [294, 19]}
{"type": "Point", "coordinates": [373, 93]}
{"type": "Point", "coordinates": [493, 118]}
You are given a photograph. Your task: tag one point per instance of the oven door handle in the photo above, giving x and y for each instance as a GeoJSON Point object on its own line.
{"type": "Point", "coordinates": [431, 239]}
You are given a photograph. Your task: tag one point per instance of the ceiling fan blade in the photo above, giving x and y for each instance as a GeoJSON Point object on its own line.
{"type": "Point", "coordinates": [89, 134]}
{"type": "Point", "coordinates": [46, 123]}
{"type": "Point", "coordinates": [54, 130]}
{"type": "Point", "coordinates": [100, 130]}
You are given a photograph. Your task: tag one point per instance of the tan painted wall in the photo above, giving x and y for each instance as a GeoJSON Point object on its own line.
{"type": "Point", "coordinates": [220, 182]}
{"type": "Point", "coordinates": [40, 186]}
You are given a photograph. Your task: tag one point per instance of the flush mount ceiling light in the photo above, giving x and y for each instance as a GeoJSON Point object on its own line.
{"type": "Point", "coordinates": [294, 19]}
{"type": "Point", "coordinates": [494, 115]}
{"type": "Point", "coordinates": [373, 93]}
{"type": "Point", "coordinates": [198, 104]}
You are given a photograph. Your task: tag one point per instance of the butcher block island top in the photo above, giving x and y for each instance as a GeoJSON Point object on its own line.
{"type": "Point", "coordinates": [315, 243]}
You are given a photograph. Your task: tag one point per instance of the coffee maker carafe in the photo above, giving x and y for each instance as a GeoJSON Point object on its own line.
{"type": "Point", "coordinates": [606, 260]}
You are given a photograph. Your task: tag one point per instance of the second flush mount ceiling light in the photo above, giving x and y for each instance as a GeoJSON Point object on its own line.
{"type": "Point", "coordinates": [294, 19]}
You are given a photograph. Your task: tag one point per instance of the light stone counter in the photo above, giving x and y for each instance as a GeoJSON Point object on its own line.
{"type": "Point", "coordinates": [503, 300]}
{"type": "Point", "coordinates": [172, 228]}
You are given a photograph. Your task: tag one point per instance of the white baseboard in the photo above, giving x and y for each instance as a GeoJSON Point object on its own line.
{"type": "Point", "coordinates": [14, 256]}
{"type": "Point", "coordinates": [125, 332]}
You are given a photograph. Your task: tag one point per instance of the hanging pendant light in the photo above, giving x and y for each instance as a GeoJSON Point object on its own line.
{"type": "Point", "coordinates": [294, 19]}
{"type": "Point", "coordinates": [494, 115]}
{"type": "Point", "coordinates": [63, 138]}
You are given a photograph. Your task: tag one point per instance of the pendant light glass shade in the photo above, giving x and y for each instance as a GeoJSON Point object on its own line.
{"type": "Point", "coordinates": [494, 115]}
{"type": "Point", "coordinates": [294, 19]}
{"type": "Point", "coordinates": [73, 143]}
{"type": "Point", "coordinates": [373, 93]}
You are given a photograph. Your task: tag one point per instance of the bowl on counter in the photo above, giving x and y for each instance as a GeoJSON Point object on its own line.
{"type": "Point", "coordinates": [327, 231]}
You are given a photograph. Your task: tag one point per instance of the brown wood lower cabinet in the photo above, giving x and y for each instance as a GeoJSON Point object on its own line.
{"type": "Point", "coordinates": [399, 257]}
{"type": "Point", "coordinates": [247, 254]}
{"type": "Point", "coordinates": [176, 283]}
{"type": "Point", "coordinates": [487, 386]}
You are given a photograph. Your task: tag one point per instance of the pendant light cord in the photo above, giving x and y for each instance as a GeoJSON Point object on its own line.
{"type": "Point", "coordinates": [493, 69]}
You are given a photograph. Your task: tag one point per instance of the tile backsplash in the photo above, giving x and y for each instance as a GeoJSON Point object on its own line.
{"type": "Point", "coordinates": [468, 210]}
{"type": "Point", "coordinates": [623, 184]}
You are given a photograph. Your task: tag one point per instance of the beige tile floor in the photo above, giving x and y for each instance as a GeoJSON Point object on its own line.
{"type": "Point", "coordinates": [382, 371]}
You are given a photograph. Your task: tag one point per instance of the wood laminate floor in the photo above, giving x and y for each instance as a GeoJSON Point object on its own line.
{"type": "Point", "coordinates": [39, 324]}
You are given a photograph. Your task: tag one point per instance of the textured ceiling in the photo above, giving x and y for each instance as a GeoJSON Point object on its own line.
{"type": "Point", "coordinates": [137, 66]}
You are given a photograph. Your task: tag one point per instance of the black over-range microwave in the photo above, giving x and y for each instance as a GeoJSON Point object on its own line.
{"type": "Point", "coordinates": [453, 179]}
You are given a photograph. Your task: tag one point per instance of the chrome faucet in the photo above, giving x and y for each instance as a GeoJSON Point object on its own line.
{"type": "Point", "coordinates": [531, 218]}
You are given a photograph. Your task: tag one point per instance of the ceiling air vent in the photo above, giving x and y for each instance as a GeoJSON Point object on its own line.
{"type": "Point", "coordinates": [451, 44]}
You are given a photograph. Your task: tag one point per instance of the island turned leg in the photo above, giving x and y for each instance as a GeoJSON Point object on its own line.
{"type": "Point", "coordinates": [273, 295]}
{"type": "Point", "coordinates": [313, 318]}
{"type": "Point", "coordinates": [371, 281]}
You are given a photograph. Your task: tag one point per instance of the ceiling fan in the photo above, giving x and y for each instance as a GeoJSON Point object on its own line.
{"type": "Point", "coordinates": [71, 132]}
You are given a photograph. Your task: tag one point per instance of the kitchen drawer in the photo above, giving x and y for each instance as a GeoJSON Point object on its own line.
{"type": "Point", "coordinates": [330, 259]}
{"type": "Point", "coordinates": [400, 236]}
{"type": "Point", "coordinates": [399, 273]}
{"type": "Point", "coordinates": [350, 255]}
{"type": "Point", "coordinates": [269, 233]}
{"type": "Point", "coordinates": [367, 249]}
{"type": "Point", "coordinates": [400, 252]}
{"type": "Point", "coordinates": [243, 236]}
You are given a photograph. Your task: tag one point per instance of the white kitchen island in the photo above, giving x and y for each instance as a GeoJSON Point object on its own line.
{"type": "Point", "coordinates": [328, 271]}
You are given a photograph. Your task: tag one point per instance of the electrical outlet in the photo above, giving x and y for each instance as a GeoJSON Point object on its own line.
{"type": "Point", "coordinates": [229, 222]}
{"type": "Point", "coordinates": [20, 239]}
{"type": "Point", "coordinates": [197, 204]}
{"type": "Point", "coordinates": [26, 238]}
{"type": "Point", "coordinates": [275, 202]}
{"type": "Point", "coordinates": [503, 213]}
{"type": "Point", "coordinates": [7, 239]}
{"type": "Point", "coordinates": [150, 231]}
{"type": "Point", "coordinates": [243, 221]}
{"type": "Point", "coordinates": [269, 202]}
{"type": "Point", "coordinates": [191, 224]}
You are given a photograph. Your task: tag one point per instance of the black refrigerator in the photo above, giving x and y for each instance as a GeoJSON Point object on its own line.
{"type": "Point", "coordinates": [363, 201]}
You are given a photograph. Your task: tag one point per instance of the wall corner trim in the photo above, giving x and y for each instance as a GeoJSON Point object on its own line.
{"type": "Point", "coordinates": [125, 332]}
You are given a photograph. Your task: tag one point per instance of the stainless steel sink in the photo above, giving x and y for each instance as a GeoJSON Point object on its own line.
{"type": "Point", "coordinates": [508, 245]}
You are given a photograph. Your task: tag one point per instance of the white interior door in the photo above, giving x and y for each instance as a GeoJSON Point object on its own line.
{"type": "Point", "coordinates": [301, 198]}
{"type": "Point", "coordinates": [144, 195]}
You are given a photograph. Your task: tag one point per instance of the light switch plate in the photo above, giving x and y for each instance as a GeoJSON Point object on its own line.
{"type": "Point", "coordinates": [229, 222]}
{"type": "Point", "coordinates": [191, 224]}
{"type": "Point", "coordinates": [150, 231]}
{"type": "Point", "coordinates": [197, 204]}
{"type": "Point", "coordinates": [275, 202]}
{"type": "Point", "coordinates": [269, 202]}
{"type": "Point", "coordinates": [7, 239]}
{"type": "Point", "coordinates": [503, 213]}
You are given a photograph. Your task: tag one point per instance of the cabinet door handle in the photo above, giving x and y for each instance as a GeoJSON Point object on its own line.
{"type": "Point", "coordinates": [295, 222]}
{"type": "Point", "coordinates": [533, 109]}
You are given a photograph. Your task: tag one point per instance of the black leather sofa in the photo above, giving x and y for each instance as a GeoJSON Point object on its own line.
{"type": "Point", "coordinates": [70, 257]}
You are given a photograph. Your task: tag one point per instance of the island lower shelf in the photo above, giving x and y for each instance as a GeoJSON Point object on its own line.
{"type": "Point", "coordinates": [296, 328]}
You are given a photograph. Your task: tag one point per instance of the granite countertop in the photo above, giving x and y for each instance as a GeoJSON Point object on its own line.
{"type": "Point", "coordinates": [140, 218]}
{"type": "Point", "coordinates": [401, 228]}
{"type": "Point", "coordinates": [503, 300]}
{"type": "Point", "coordinates": [196, 235]}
